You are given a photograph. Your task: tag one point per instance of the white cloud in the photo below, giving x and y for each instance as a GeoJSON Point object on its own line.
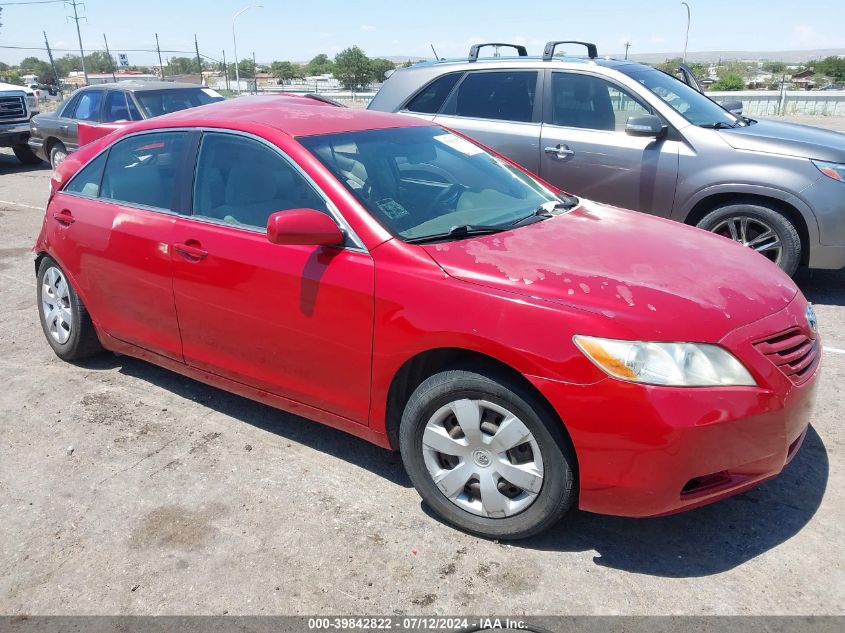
{"type": "Point", "coordinates": [368, 27]}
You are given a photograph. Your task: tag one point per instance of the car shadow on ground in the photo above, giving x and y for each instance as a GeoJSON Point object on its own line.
{"type": "Point", "coordinates": [700, 542]}
{"type": "Point", "coordinates": [826, 287]}
{"type": "Point", "coordinates": [314, 435]}
{"type": "Point", "coordinates": [11, 165]}
{"type": "Point", "coordinates": [708, 540]}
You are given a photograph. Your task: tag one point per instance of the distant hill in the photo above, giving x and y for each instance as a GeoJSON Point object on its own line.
{"type": "Point", "coordinates": [798, 57]}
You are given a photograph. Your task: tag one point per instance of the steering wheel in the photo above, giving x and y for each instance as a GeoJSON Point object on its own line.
{"type": "Point", "coordinates": [448, 197]}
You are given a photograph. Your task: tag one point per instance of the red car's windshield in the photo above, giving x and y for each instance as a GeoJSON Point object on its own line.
{"type": "Point", "coordinates": [424, 181]}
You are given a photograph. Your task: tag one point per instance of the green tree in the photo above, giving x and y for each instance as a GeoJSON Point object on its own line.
{"type": "Point", "coordinates": [68, 63]}
{"type": "Point", "coordinates": [99, 62]}
{"type": "Point", "coordinates": [775, 68]}
{"type": "Point", "coordinates": [833, 67]}
{"type": "Point", "coordinates": [182, 66]}
{"type": "Point", "coordinates": [246, 69]}
{"type": "Point", "coordinates": [729, 81]}
{"type": "Point", "coordinates": [319, 65]}
{"type": "Point", "coordinates": [285, 71]}
{"type": "Point", "coordinates": [38, 67]}
{"type": "Point", "coordinates": [379, 66]}
{"type": "Point", "coordinates": [352, 68]}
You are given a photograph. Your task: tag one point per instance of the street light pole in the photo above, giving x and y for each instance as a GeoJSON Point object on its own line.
{"type": "Point", "coordinates": [686, 41]}
{"type": "Point", "coordinates": [235, 43]}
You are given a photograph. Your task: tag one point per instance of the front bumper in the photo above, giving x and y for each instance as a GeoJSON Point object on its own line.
{"type": "Point", "coordinates": [649, 451]}
{"type": "Point", "coordinates": [37, 146]}
{"type": "Point", "coordinates": [14, 133]}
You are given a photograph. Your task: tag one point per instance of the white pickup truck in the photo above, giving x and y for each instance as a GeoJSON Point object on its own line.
{"type": "Point", "coordinates": [18, 104]}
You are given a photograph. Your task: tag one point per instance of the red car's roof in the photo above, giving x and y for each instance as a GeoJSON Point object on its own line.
{"type": "Point", "coordinates": [294, 115]}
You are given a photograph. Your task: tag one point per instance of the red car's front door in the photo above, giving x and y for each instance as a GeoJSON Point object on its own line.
{"type": "Point", "coordinates": [296, 321]}
{"type": "Point", "coordinates": [111, 230]}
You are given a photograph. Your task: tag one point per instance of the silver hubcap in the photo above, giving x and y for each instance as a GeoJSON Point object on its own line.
{"type": "Point", "coordinates": [483, 458]}
{"type": "Point", "coordinates": [58, 157]}
{"type": "Point", "coordinates": [752, 233]}
{"type": "Point", "coordinates": [55, 305]}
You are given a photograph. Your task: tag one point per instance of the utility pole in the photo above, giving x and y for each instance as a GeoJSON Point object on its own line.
{"type": "Point", "coordinates": [76, 19]}
{"type": "Point", "coordinates": [199, 61]}
{"type": "Point", "coordinates": [108, 54]}
{"type": "Point", "coordinates": [254, 73]}
{"type": "Point", "coordinates": [627, 46]}
{"type": "Point", "coordinates": [52, 63]}
{"type": "Point", "coordinates": [686, 41]}
{"type": "Point", "coordinates": [226, 70]}
{"type": "Point", "coordinates": [160, 65]}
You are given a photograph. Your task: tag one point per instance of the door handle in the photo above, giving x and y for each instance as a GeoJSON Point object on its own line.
{"type": "Point", "coordinates": [63, 128]}
{"type": "Point", "coordinates": [560, 151]}
{"type": "Point", "coordinates": [190, 250]}
{"type": "Point", "coordinates": [64, 217]}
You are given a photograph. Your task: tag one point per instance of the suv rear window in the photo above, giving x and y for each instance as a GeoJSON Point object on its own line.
{"type": "Point", "coordinates": [502, 95]}
{"type": "Point", "coordinates": [431, 98]}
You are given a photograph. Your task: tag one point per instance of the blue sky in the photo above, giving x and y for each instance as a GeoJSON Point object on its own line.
{"type": "Point", "coordinates": [300, 30]}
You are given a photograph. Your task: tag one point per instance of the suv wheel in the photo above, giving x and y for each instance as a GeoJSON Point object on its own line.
{"type": "Point", "coordinates": [64, 319]}
{"type": "Point", "coordinates": [486, 456]}
{"type": "Point", "coordinates": [757, 226]}
{"type": "Point", "coordinates": [58, 152]}
{"type": "Point", "coordinates": [25, 154]}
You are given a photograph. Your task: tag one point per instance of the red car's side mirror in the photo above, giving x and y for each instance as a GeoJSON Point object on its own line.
{"type": "Point", "coordinates": [304, 227]}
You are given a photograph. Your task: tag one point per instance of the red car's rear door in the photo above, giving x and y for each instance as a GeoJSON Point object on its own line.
{"type": "Point", "coordinates": [111, 229]}
{"type": "Point", "coordinates": [292, 320]}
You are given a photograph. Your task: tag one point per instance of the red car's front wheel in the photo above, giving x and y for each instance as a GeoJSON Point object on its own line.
{"type": "Point", "coordinates": [486, 455]}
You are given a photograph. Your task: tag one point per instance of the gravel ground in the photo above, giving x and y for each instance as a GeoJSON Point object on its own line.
{"type": "Point", "coordinates": [126, 489]}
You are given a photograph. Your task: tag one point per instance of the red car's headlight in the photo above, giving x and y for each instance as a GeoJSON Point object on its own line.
{"type": "Point", "coordinates": [669, 364]}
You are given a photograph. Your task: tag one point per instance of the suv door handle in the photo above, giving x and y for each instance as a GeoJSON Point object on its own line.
{"type": "Point", "coordinates": [190, 250]}
{"type": "Point", "coordinates": [64, 217]}
{"type": "Point", "coordinates": [560, 151]}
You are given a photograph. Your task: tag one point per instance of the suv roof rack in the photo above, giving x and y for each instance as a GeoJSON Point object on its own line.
{"type": "Point", "coordinates": [473, 51]}
{"type": "Point", "coordinates": [549, 51]}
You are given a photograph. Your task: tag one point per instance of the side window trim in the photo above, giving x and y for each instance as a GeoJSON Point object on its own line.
{"type": "Point", "coordinates": [548, 100]}
{"type": "Point", "coordinates": [537, 111]}
{"type": "Point", "coordinates": [353, 242]}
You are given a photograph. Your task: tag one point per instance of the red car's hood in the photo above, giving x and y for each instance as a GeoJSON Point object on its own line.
{"type": "Point", "coordinates": [660, 279]}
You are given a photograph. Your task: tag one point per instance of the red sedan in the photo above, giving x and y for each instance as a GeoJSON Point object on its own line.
{"type": "Point", "coordinates": [524, 350]}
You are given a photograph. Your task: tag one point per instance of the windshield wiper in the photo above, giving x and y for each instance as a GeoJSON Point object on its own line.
{"type": "Point", "coordinates": [461, 230]}
{"type": "Point", "coordinates": [719, 125]}
{"type": "Point", "coordinates": [546, 210]}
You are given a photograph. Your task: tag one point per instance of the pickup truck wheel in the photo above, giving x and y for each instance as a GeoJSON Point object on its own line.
{"type": "Point", "coordinates": [758, 226]}
{"type": "Point", "coordinates": [26, 155]}
{"type": "Point", "coordinates": [58, 153]}
{"type": "Point", "coordinates": [486, 455]}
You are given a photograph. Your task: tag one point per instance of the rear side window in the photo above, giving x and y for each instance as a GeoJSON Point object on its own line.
{"type": "Point", "coordinates": [141, 170]}
{"type": "Point", "coordinates": [88, 106]}
{"type": "Point", "coordinates": [87, 180]}
{"type": "Point", "coordinates": [242, 182]}
{"type": "Point", "coordinates": [501, 95]}
{"type": "Point", "coordinates": [431, 98]}
{"type": "Point", "coordinates": [116, 108]}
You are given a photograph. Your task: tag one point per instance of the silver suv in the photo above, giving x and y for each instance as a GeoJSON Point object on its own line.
{"type": "Point", "coordinates": [630, 135]}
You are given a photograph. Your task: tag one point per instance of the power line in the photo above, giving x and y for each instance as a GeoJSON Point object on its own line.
{"type": "Point", "coordinates": [12, 4]}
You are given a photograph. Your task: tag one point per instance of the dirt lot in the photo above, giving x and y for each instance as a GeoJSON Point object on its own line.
{"type": "Point", "coordinates": [128, 489]}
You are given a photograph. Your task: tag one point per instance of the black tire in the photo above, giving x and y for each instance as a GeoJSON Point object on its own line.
{"type": "Point", "coordinates": [56, 149]}
{"type": "Point", "coordinates": [82, 341]}
{"type": "Point", "coordinates": [558, 490]}
{"type": "Point", "coordinates": [25, 154]}
{"type": "Point", "coordinates": [790, 254]}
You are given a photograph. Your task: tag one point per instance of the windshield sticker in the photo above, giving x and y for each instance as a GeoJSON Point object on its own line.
{"type": "Point", "coordinates": [460, 144]}
{"type": "Point", "coordinates": [392, 209]}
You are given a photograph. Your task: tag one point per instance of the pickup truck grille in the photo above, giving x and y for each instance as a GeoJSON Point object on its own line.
{"type": "Point", "coordinates": [793, 352]}
{"type": "Point", "coordinates": [12, 108]}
